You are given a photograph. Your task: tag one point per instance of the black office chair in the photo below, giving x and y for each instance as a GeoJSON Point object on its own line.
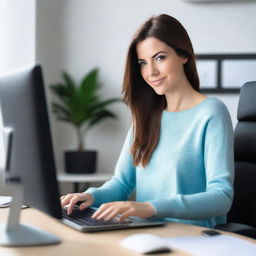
{"type": "Point", "coordinates": [242, 216]}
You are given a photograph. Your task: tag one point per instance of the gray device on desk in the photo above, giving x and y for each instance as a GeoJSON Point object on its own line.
{"type": "Point", "coordinates": [81, 221]}
{"type": "Point", "coordinates": [30, 170]}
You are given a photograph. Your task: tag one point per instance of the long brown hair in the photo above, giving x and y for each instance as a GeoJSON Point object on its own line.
{"type": "Point", "coordinates": [146, 106]}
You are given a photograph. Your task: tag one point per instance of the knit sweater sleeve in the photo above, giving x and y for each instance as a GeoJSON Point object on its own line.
{"type": "Point", "coordinates": [122, 184]}
{"type": "Point", "coordinates": [219, 172]}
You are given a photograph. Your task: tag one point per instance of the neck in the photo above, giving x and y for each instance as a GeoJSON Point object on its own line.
{"type": "Point", "coordinates": [184, 97]}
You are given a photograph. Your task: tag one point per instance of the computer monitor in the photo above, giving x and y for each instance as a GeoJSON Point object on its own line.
{"type": "Point", "coordinates": [30, 171]}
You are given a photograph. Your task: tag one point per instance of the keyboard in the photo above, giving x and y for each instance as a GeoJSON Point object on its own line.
{"type": "Point", "coordinates": [83, 217]}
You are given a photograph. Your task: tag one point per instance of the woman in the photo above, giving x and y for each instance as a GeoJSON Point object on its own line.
{"type": "Point", "coordinates": [178, 154]}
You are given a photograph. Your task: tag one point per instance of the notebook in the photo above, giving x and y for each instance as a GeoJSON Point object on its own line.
{"type": "Point", "coordinates": [80, 220]}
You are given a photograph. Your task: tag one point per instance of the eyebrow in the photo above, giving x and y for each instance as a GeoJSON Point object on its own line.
{"type": "Point", "coordinates": [154, 55]}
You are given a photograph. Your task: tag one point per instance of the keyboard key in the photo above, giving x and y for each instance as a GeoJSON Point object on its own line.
{"type": "Point", "coordinates": [84, 218]}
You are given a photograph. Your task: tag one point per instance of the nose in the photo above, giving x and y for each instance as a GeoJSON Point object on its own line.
{"type": "Point", "coordinates": [152, 70]}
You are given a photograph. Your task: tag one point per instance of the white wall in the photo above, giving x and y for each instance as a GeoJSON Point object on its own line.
{"type": "Point", "coordinates": [17, 34]}
{"type": "Point", "coordinates": [79, 35]}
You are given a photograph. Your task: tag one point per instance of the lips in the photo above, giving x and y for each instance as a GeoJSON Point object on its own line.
{"type": "Point", "coordinates": [156, 82]}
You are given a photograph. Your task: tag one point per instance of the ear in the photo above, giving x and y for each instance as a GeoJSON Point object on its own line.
{"type": "Point", "coordinates": [185, 60]}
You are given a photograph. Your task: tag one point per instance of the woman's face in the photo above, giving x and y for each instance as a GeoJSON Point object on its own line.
{"type": "Point", "coordinates": [160, 65]}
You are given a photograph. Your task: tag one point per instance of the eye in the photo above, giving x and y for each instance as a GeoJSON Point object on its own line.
{"type": "Point", "coordinates": [160, 57]}
{"type": "Point", "coordinates": [141, 63]}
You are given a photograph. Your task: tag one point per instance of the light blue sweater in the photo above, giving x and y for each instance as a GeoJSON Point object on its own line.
{"type": "Point", "coordinates": [189, 177]}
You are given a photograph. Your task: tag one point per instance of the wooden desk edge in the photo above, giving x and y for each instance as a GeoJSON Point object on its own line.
{"type": "Point", "coordinates": [77, 243]}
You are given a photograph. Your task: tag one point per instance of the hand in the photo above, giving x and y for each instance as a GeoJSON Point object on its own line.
{"type": "Point", "coordinates": [108, 211]}
{"type": "Point", "coordinates": [72, 199]}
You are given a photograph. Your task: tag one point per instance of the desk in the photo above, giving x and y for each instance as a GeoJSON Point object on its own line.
{"type": "Point", "coordinates": [82, 178]}
{"type": "Point", "coordinates": [75, 243]}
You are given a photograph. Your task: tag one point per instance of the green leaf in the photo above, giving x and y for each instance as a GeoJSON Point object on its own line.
{"type": "Point", "coordinates": [60, 111]}
{"type": "Point", "coordinates": [67, 120]}
{"type": "Point", "coordinates": [70, 84]}
{"type": "Point", "coordinates": [89, 85]}
{"type": "Point", "coordinates": [59, 90]}
{"type": "Point", "coordinates": [105, 103]}
{"type": "Point", "coordinates": [100, 116]}
{"type": "Point", "coordinates": [90, 80]}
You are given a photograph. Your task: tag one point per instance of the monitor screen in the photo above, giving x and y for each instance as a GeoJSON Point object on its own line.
{"type": "Point", "coordinates": [30, 159]}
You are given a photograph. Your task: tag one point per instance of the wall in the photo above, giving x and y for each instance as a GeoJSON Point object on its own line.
{"type": "Point", "coordinates": [17, 34]}
{"type": "Point", "coordinates": [82, 34]}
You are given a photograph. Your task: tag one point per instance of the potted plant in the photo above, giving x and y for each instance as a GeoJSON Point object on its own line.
{"type": "Point", "coordinates": [80, 105]}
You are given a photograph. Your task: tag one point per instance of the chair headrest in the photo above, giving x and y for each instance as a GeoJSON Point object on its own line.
{"type": "Point", "coordinates": [247, 102]}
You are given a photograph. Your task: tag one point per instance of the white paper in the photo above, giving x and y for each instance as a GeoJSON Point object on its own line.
{"type": "Point", "coordinates": [5, 201]}
{"type": "Point", "coordinates": [220, 245]}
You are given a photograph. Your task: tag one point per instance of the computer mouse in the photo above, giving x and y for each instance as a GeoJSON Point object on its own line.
{"type": "Point", "coordinates": [145, 243]}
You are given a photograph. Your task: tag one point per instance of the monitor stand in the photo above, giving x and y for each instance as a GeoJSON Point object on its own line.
{"type": "Point", "coordinates": [15, 234]}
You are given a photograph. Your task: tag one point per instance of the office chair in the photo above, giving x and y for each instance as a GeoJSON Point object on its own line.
{"type": "Point", "coordinates": [242, 215]}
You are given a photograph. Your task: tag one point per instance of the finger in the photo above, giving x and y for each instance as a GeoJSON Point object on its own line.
{"type": "Point", "coordinates": [84, 205]}
{"type": "Point", "coordinates": [104, 214]}
{"type": "Point", "coordinates": [72, 203]}
{"type": "Point", "coordinates": [113, 214]}
{"type": "Point", "coordinates": [61, 201]}
{"type": "Point", "coordinates": [119, 209]}
{"type": "Point", "coordinates": [125, 215]}
{"type": "Point", "coordinates": [66, 200]}
{"type": "Point", "coordinates": [100, 210]}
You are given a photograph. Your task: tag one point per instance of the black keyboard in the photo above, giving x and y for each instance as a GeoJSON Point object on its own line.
{"type": "Point", "coordinates": [83, 217]}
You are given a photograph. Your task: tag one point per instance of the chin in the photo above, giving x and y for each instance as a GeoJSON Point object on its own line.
{"type": "Point", "coordinates": [159, 92]}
